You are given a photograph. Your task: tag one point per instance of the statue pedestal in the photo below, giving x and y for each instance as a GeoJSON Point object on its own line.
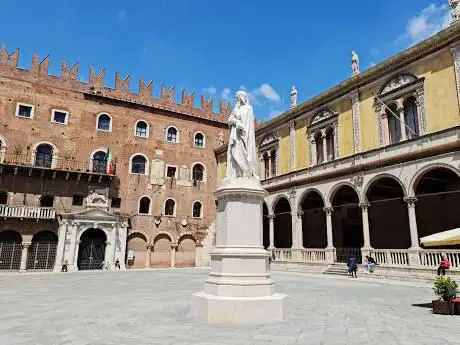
{"type": "Point", "coordinates": [239, 289]}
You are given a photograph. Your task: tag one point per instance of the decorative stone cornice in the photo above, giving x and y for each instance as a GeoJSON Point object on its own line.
{"type": "Point", "coordinates": [328, 210]}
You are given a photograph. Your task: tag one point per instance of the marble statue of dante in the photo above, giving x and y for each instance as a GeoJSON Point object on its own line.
{"type": "Point", "coordinates": [241, 154]}
{"type": "Point", "coordinates": [354, 62]}
{"type": "Point", "coordinates": [454, 10]}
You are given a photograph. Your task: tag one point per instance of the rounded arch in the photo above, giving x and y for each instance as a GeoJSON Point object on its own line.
{"type": "Point", "coordinates": [162, 234]}
{"type": "Point", "coordinates": [45, 159]}
{"type": "Point", "coordinates": [90, 227]}
{"type": "Point", "coordinates": [136, 253]}
{"type": "Point", "coordinates": [10, 255]}
{"type": "Point", "coordinates": [186, 236]}
{"type": "Point", "coordinates": [395, 81]}
{"type": "Point", "coordinates": [104, 122]}
{"type": "Point", "coordinates": [374, 179]}
{"type": "Point", "coordinates": [283, 223]}
{"type": "Point", "coordinates": [186, 251]}
{"type": "Point", "coordinates": [3, 143]}
{"type": "Point", "coordinates": [161, 252]}
{"type": "Point", "coordinates": [199, 139]}
{"type": "Point", "coordinates": [419, 174]}
{"type": "Point", "coordinates": [46, 200]}
{"type": "Point", "coordinates": [197, 209]}
{"type": "Point", "coordinates": [337, 187]}
{"type": "Point", "coordinates": [41, 254]}
{"type": "Point", "coordinates": [92, 248]}
{"type": "Point", "coordinates": [314, 233]}
{"type": "Point", "coordinates": [172, 134]}
{"type": "Point", "coordinates": [10, 236]}
{"type": "Point", "coordinates": [141, 129]}
{"type": "Point", "coordinates": [198, 172]}
{"type": "Point", "coordinates": [144, 205]}
{"type": "Point", "coordinates": [140, 234]}
{"type": "Point", "coordinates": [139, 166]}
{"type": "Point", "coordinates": [169, 207]}
{"type": "Point", "coordinates": [276, 200]}
{"type": "Point", "coordinates": [265, 225]}
{"type": "Point", "coordinates": [45, 236]}
{"type": "Point", "coordinates": [305, 194]}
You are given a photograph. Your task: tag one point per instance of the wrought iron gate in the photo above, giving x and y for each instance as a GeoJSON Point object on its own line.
{"type": "Point", "coordinates": [91, 255]}
{"type": "Point", "coordinates": [41, 256]}
{"type": "Point", "coordinates": [10, 255]}
{"type": "Point", "coordinates": [344, 253]}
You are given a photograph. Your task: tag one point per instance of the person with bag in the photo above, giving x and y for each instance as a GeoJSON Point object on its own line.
{"type": "Point", "coordinates": [352, 266]}
{"type": "Point", "coordinates": [443, 266]}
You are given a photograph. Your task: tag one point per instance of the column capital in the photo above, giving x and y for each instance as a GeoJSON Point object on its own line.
{"type": "Point", "coordinates": [323, 133]}
{"type": "Point", "coordinates": [365, 205]}
{"type": "Point", "coordinates": [26, 244]}
{"type": "Point", "coordinates": [174, 245]}
{"type": "Point", "coordinates": [410, 201]}
{"type": "Point", "coordinates": [311, 137]}
{"type": "Point", "coordinates": [271, 217]}
{"type": "Point", "coordinates": [328, 210]}
{"type": "Point", "coordinates": [354, 96]}
{"type": "Point", "coordinates": [148, 246]}
{"type": "Point", "coordinates": [299, 214]}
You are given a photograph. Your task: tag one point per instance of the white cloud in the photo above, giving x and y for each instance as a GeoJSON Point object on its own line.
{"type": "Point", "coordinates": [426, 23]}
{"type": "Point", "coordinates": [263, 92]}
{"type": "Point", "coordinates": [121, 16]}
{"type": "Point", "coordinates": [226, 94]}
{"type": "Point", "coordinates": [274, 112]}
{"type": "Point", "coordinates": [211, 90]}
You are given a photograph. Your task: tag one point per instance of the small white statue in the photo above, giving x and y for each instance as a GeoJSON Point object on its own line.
{"type": "Point", "coordinates": [293, 97]}
{"type": "Point", "coordinates": [354, 63]}
{"type": "Point", "coordinates": [242, 154]}
{"type": "Point", "coordinates": [454, 10]}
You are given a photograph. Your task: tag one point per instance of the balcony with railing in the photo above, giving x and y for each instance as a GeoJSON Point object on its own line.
{"type": "Point", "coordinates": [27, 212]}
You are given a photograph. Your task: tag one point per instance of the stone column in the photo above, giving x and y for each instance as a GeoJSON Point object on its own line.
{"type": "Point", "coordinates": [295, 244]}
{"type": "Point", "coordinates": [420, 102]}
{"type": "Point", "coordinates": [324, 143]}
{"type": "Point", "coordinates": [147, 255]}
{"type": "Point", "coordinates": [365, 250]}
{"type": "Point", "coordinates": [299, 229]}
{"type": "Point", "coordinates": [262, 166]}
{"type": "Point", "coordinates": [60, 247]}
{"type": "Point", "coordinates": [72, 234]}
{"type": "Point", "coordinates": [314, 159]}
{"type": "Point", "coordinates": [123, 234]}
{"type": "Point", "coordinates": [330, 250]}
{"type": "Point", "coordinates": [271, 220]}
{"type": "Point", "coordinates": [414, 259]}
{"type": "Point", "coordinates": [292, 144]}
{"type": "Point", "coordinates": [402, 120]}
{"type": "Point", "coordinates": [173, 254]}
{"type": "Point", "coordinates": [385, 131]}
{"type": "Point", "coordinates": [25, 249]}
{"type": "Point", "coordinates": [456, 55]}
{"type": "Point", "coordinates": [354, 97]}
{"type": "Point", "coordinates": [269, 157]}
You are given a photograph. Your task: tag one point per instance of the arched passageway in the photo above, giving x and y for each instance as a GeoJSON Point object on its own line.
{"type": "Point", "coordinates": [347, 224]}
{"type": "Point", "coordinates": [388, 216]}
{"type": "Point", "coordinates": [136, 252]}
{"type": "Point", "coordinates": [186, 252]}
{"type": "Point", "coordinates": [313, 221]}
{"type": "Point", "coordinates": [161, 255]}
{"type": "Point", "coordinates": [91, 251]}
{"type": "Point", "coordinates": [42, 252]}
{"type": "Point", "coordinates": [10, 250]}
{"type": "Point", "coordinates": [438, 197]}
{"type": "Point", "coordinates": [283, 224]}
{"type": "Point", "coordinates": [266, 226]}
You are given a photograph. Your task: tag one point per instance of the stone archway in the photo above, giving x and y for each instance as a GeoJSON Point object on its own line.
{"type": "Point", "coordinates": [137, 244]}
{"type": "Point", "coordinates": [10, 250]}
{"type": "Point", "coordinates": [91, 251]}
{"type": "Point", "coordinates": [438, 196]}
{"type": "Point", "coordinates": [266, 226]}
{"type": "Point", "coordinates": [283, 224]}
{"type": "Point", "coordinates": [314, 231]}
{"type": "Point", "coordinates": [186, 252]}
{"type": "Point", "coordinates": [42, 252]}
{"type": "Point", "coordinates": [388, 216]}
{"type": "Point", "coordinates": [347, 223]}
{"type": "Point", "coordinates": [161, 255]}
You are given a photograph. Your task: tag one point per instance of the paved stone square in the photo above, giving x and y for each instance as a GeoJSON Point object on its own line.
{"type": "Point", "coordinates": [152, 307]}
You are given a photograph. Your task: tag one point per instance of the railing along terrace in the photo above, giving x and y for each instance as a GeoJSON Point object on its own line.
{"type": "Point", "coordinates": [432, 257]}
{"type": "Point", "coordinates": [311, 255]}
{"type": "Point", "coordinates": [391, 257]}
{"type": "Point", "coordinates": [50, 161]}
{"type": "Point", "coordinates": [31, 212]}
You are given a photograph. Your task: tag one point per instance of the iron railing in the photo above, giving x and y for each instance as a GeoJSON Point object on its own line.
{"type": "Point", "coordinates": [27, 212]}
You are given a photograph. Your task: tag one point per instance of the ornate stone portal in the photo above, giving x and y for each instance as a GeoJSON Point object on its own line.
{"type": "Point", "coordinates": [239, 289]}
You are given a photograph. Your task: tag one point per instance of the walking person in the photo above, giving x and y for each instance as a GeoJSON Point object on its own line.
{"type": "Point", "coordinates": [117, 264]}
{"type": "Point", "coordinates": [443, 266]}
{"type": "Point", "coordinates": [352, 266]}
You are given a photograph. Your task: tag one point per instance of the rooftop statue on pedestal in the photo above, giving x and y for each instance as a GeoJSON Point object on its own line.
{"type": "Point", "coordinates": [354, 63]}
{"type": "Point", "coordinates": [241, 154]}
{"type": "Point", "coordinates": [293, 97]}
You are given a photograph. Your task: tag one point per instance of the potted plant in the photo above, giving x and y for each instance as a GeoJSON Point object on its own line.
{"type": "Point", "coordinates": [446, 289]}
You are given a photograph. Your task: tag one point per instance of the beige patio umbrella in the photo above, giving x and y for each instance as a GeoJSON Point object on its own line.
{"type": "Point", "coordinates": [445, 238]}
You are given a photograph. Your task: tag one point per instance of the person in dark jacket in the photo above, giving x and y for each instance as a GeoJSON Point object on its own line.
{"type": "Point", "coordinates": [352, 266]}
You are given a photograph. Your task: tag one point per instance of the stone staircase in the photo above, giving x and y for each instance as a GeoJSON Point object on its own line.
{"type": "Point", "coordinates": [337, 269]}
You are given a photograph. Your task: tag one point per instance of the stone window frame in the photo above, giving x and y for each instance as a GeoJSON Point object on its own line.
{"type": "Point", "coordinates": [174, 210]}
{"type": "Point", "coordinates": [147, 134]}
{"type": "Point", "coordinates": [177, 135]}
{"type": "Point", "coordinates": [395, 91]}
{"type": "Point", "coordinates": [3, 148]}
{"type": "Point", "coordinates": [54, 155]}
{"type": "Point", "coordinates": [32, 112]}
{"type": "Point", "coordinates": [201, 210]}
{"type": "Point", "coordinates": [176, 173]}
{"type": "Point", "coordinates": [204, 140]}
{"type": "Point", "coordinates": [268, 144]}
{"type": "Point", "coordinates": [323, 120]}
{"type": "Point", "coordinates": [146, 164]}
{"type": "Point", "coordinates": [139, 205]}
{"type": "Point", "coordinates": [110, 124]}
{"type": "Point", "coordinates": [204, 172]}
{"type": "Point", "coordinates": [67, 114]}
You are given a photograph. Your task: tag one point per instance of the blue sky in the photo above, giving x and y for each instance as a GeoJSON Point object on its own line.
{"type": "Point", "coordinates": [218, 46]}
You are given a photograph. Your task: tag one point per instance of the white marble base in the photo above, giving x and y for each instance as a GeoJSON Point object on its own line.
{"type": "Point", "coordinates": [239, 289]}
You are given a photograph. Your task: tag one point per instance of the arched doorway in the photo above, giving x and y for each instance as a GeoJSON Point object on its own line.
{"type": "Point", "coordinates": [266, 227]}
{"type": "Point", "coordinates": [388, 217]}
{"type": "Point", "coordinates": [186, 251]}
{"type": "Point", "coordinates": [91, 252]}
{"type": "Point", "coordinates": [347, 224]}
{"type": "Point", "coordinates": [283, 224]}
{"type": "Point", "coordinates": [161, 256]}
{"type": "Point", "coordinates": [10, 250]}
{"type": "Point", "coordinates": [438, 197]}
{"type": "Point", "coordinates": [313, 221]}
{"type": "Point", "coordinates": [42, 252]}
{"type": "Point", "coordinates": [136, 250]}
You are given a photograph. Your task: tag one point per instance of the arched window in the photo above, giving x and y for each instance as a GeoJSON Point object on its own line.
{"type": "Point", "coordinates": [144, 205]}
{"type": "Point", "coordinates": [3, 198]}
{"type": "Point", "coordinates": [319, 148]}
{"type": "Point", "coordinates": [330, 144]}
{"type": "Point", "coordinates": [100, 162]}
{"type": "Point", "coordinates": [266, 166]}
{"type": "Point", "coordinates": [104, 123]}
{"type": "Point", "coordinates": [44, 156]}
{"type": "Point", "coordinates": [142, 129]}
{"type": "Point", "coordinates": [197, 210]}
{"type": "Point", "coordinates": [199, 140]}
{"type": "Point", "coordinates": [172, 135]}
{"type": "Point", "coordinates": [138, 165]}
{"type": "Point", "coordinates": [46, 201]}
{"type": "Point", "coordinates": [394, 126]}
{"type": "Point", "coordinates": [273, 162]}
{"type": "Point", "coordinates": [411, 117]}
{"type": "Point", "coordinates": [170, 207]}
{"type": "Point", "coordinates": [198, 172]}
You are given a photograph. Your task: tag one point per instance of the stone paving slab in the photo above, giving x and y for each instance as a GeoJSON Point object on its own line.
{"type": "Point", "coordinates": [152, 307]}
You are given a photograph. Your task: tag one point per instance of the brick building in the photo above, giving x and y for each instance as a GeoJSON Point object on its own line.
{"type": "Point", "coordinates": [62, 201]}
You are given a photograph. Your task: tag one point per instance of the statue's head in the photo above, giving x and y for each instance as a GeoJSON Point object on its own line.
{"type": "Point", "coordinates": [241, 97]}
